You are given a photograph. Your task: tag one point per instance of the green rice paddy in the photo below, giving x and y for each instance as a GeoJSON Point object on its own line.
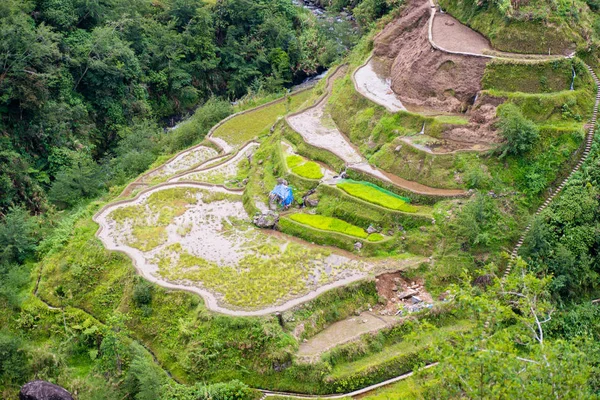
{"type": "Point", "coordinates": [379, 196]}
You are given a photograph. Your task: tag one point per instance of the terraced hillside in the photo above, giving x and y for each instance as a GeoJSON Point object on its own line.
{"type": "Point", "coordinates": [416, 167]}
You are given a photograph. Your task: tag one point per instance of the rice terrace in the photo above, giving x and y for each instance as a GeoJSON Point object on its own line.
{"type": "Point", "coordinates": [419, 221]}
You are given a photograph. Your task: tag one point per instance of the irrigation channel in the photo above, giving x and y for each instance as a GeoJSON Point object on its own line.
{"type": "Point", "coordinates": [200, 158]}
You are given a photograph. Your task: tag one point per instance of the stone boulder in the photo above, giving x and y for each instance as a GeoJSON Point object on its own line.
{"type": "Point", "coordinates": [42, 390]}
{"type": "Point", "coordinates": [311, 201]}
{"type": "Point", "coordinates": [266, 220]}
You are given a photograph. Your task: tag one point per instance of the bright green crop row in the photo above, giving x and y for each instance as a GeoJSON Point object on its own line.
{"type": "Point", "coordinates": [329, 224]}
{"type": "Point", "coordinates": [304, 168]}
{"type": "Point", "coordinates": [372, 195]}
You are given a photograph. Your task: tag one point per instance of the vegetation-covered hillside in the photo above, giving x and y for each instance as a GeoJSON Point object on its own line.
{"type": "Point", "coordinates": [135, 260]}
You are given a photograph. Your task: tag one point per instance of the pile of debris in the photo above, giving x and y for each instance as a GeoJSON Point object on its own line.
{"type": "Point", "coordinates": [403, 296]}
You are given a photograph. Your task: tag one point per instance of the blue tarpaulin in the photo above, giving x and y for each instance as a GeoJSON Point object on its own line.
{"type": "Point", "coordinates": [284, 193]}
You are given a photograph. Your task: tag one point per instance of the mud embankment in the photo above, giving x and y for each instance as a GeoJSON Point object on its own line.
{"type": "Point", "coordinates": [427, 79]}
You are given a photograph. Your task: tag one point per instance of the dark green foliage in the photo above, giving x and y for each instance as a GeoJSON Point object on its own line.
{"type": "Point", "coordinates": [142, 296]}
{"type": "Point", "coordinates": [233, 390]}
{"type": "Point", "coordinates": [98, 75]}
{"type": "Point", "coordinates": [563, 242]}
{"type": "Point", "coordinates": [370, 10]}
{"type": "Point", "coordinates": [80, 180]}
{"type": "Point", "coordinates": [13, 360]}
{"type": "Point", "coordinates": [18, 236]}
{"type": "Point", "coordinates": [144, 378]}
{"type": "Point", "coordinates": [480, 222]}
{"type": "Point", "coordinates": [519, 132]}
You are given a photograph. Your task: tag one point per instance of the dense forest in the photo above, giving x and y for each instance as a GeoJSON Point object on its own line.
{"type": "Point", "coordinates": [85, 85]}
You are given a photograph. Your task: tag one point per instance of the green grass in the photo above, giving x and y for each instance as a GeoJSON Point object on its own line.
{"type": "Point", "coordinates": [265, 277]}
{"type": "Point", "coordinates": [294, 160]}
{"type": "Point", "coordinates": [379, 197]}
{"type": "Point", "coordinates": [537, 27]}
{"type": "Point", "coordinates": [530, 77]}
{"type": "Point", "coordinates": [329, 224]}
{"type": "Point", "coordinates": [403, 348]}
{"type": "Point", "coordinates": [375, 237]}
{"type": "Point", "coordinates": [452, 120]}
{"type": "Point", "coordinates": [246, 127]}
{"type": "Point", "coordinates": [304, 168]}
{"type": "Point", "coordinates": [309, 170]}
{"type": "Point", "coordinates": [406, 389]}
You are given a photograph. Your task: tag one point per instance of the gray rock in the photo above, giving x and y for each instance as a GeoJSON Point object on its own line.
{"type": "Point", "coordinates": [42, 390]}
{"type": "Point", "coordinates": [416, 300]}
{"type": "Point", "coordinates": [281, 181]}
{"type": "Point", "coordinates": [311, 201]}
{"type": "Point", "coordinates": [371, 229]}
{"type": "Point", "coordinates": [406, 294]}
{"type": "Point", "coordinates": [358, 246]}
{"type": "Point", "coordinates": [266, 220]}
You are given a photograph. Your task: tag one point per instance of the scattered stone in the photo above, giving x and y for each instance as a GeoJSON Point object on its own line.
{"type": "Point", "coordinates": [42, 390]}
{"type": "Point", "coordinates": [279, 367]}
{"type": "Point", "coordinates": [281, 181]}
{"type": "Point", "coordinates": [358, 246]}
{"type": "Point", "coordinates": [266, 220]}
{"type": "Point", "coordinates": [406, 294]}
{"type": "Point", "coordinates": [423, 229]}
{"type": "Point", "coordinates": [394, 288]}
{"type": "Point", "coordinates": [398, 148]}
{"type": "Point", "coordinates": [245, 182]}
{"type": "Point", "coordinates": [371, 229]}
{"type": "Point", "coordinates": [260, 162]}
{"type": "Point", "coordinates": [311, 201]}
{"type": "Point", "coordinates": [416, 300]}
{"type": "Point", "coordinates": [364, 321]}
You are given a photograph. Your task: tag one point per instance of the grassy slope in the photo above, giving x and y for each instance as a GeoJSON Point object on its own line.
{"type": "Point", "coordinates": [245, 127]}
{"type": "Point", "coordinates": [536, 27]}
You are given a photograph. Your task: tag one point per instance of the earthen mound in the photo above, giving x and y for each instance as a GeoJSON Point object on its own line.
{"type": "Point", "coordinates": [425, 78]}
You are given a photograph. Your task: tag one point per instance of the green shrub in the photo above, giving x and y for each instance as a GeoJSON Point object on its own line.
{"type": "Point", "coordinates": [329, 224]}
{"type": "Point", "coordinates": [376, 196]}
{"type": "Point", "coordinates": [142, 293]}
{"type": "Point", "coordinates": [519, 132]}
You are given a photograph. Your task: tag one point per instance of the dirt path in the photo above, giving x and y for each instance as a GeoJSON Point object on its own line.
{"type": "Point", "coordinates": [450, 34]}
{"type": "Point", "coordinates": [342, 332]}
